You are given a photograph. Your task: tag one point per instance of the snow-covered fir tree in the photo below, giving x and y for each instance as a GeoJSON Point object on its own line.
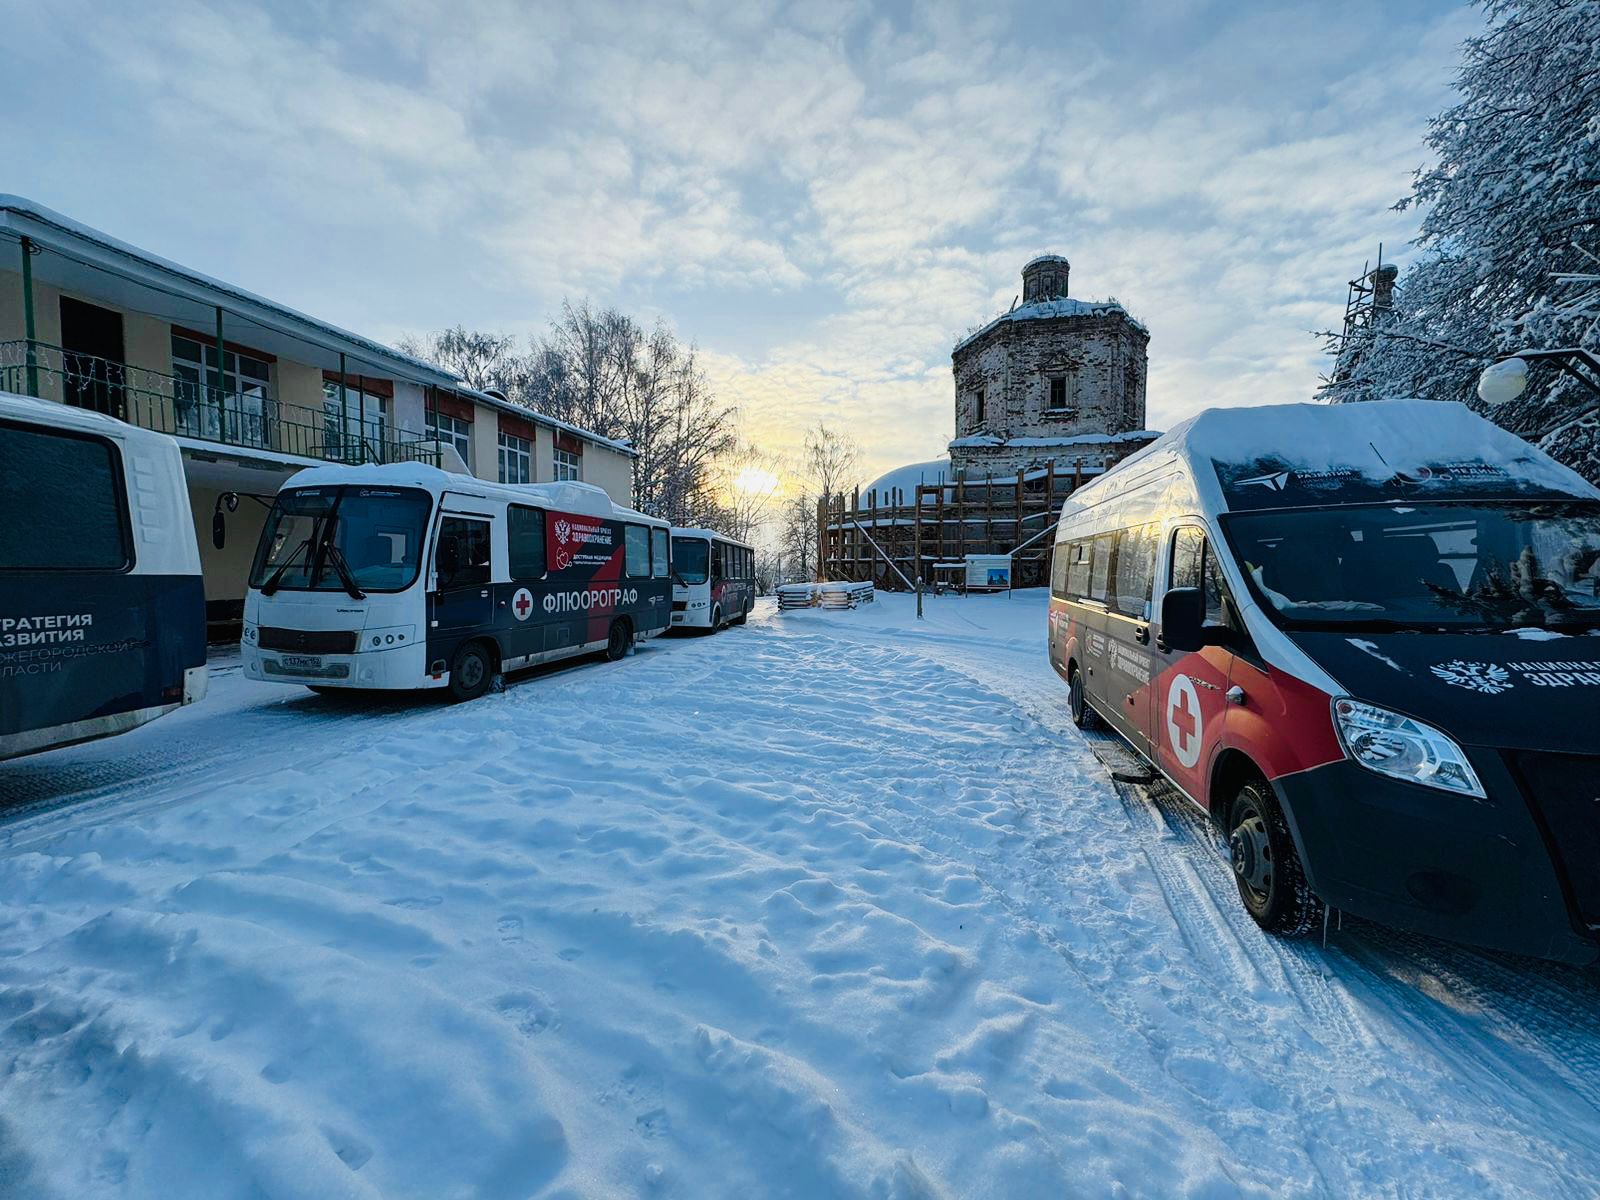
{"type": "Point", "coordinates": [1511, 233]}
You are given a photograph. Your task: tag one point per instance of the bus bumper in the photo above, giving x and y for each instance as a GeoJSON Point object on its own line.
{"type": "Point", "coordinates": [397, 668]}
{"type": "Point", "coordinates": [1417, 858]}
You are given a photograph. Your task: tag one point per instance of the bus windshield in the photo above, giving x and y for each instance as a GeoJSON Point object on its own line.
{"type": "Point", "coordinates": [691, 558]}
{"type": "Point", "coordinates": [1487, 566]}
{"type": "Point", "coordinates": [333, 538]}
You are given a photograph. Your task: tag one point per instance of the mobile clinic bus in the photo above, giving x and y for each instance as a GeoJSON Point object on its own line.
{"type": "Point", "coordinates": [404, 576]}
{"type": "Point", "coordinates": [1366, 639]}
{"type": "Point", "coordinates": [714, 580]}
{"type": "Point", "coordinates": [102, 611]}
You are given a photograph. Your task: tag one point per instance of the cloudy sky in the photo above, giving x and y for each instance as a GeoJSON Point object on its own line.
{"type": "Point", "coordinates": [824, 196]}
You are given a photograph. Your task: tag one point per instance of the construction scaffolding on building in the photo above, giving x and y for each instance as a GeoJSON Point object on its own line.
{"type": "Point", "coordinates": [891, 540]}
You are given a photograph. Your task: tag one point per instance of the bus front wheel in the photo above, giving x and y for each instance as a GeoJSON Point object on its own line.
{"type": "Point", "coordinates": [617, 642]}
{"type": "Point", "coordinates": [471, 672]}
{"type": "Point", "coordinates": [716, 619]}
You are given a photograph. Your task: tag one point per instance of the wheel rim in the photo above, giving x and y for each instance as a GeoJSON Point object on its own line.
{"type": "Point", "coordinates": [1250, 851]}
{"type": "Point", "coordinates": [471, 671]}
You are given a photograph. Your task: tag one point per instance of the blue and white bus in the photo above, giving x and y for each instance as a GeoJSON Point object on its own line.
{"type": "Point", "coordinates": [713, 582]}
{"type": "Point", "coordinates": [406, 576]}
{"type": "Point", "coordinates": [102, 610]}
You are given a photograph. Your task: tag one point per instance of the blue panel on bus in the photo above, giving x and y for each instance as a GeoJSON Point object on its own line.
{"type": "Point", "coordinates": [79, 646]}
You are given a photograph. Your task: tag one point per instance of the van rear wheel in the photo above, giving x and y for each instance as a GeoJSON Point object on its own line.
{"type": "Point", "coordinates": [1083, 716]}
{"type": "Point", "coordinates": [471, 672]}
{"type": "Point", "coordinates": [1266, 865]}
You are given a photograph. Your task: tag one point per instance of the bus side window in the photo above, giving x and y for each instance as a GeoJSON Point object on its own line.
{"type": "Point", "coordinates": [462, 559]}
{"type": "Point", "coordinates": [660, 564]}
{"type": "Point", "coordinates": [636, 551]}
{"type": "Point", "coordinates": [1100, 569]}
{"type": "Point", "coordinates": [716, 562]}
{"type": "Point", "coordinates": [525, 539]}
{"type": "Point", "coordinates": [1136, 568]}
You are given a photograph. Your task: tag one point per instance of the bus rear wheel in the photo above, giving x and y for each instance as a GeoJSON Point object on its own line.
{"type": "Point", "coordinates": [471, 672]}
{"type": "Point", "coordinates": [744, 615]}
{"type": "Point", "coordinates": [617, 641]}
{"type": "Point", "coordinates": [1266, 865]}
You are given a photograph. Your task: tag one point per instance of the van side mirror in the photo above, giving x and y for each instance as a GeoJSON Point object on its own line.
{"type": "Point", "coordinates": [219, 529]}
{"type": "Point", "coordinates": [1183, 614]}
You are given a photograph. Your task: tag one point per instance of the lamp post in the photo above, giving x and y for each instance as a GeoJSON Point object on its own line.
{"type": "Point", "coordinates": [1504, 381]}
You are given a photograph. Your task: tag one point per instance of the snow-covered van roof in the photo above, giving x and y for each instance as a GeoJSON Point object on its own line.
{"type": "Point", "coordinates": [570, 496]}
{"type": "Point", "coordinates": [1301, 455]}
{"type": "Point", "coordinates": [696, 531]}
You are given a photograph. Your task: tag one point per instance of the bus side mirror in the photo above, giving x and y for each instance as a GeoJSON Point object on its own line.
{"type": "Point", "coordinates": [219, 529]}
{"type": "Point", "coordinates": [1183, 613]}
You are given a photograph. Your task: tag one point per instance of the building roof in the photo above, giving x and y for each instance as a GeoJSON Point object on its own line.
{"type": "Point", "coordinates": [980, 441]}
{"type": "Point", "coordinates": [1044, 310]}
{"type": "Point", "coordinates": [909, 477]}
{"type": "Point", "coordinates": [89, 247]}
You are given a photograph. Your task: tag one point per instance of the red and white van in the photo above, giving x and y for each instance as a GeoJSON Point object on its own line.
{"type": "Point", "coordinates": [1365, 639]}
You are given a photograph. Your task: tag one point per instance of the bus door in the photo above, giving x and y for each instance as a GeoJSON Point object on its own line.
{"type": "Point", "coordinates": [1129, 660]}
{"type": "Point", "coordinates": [1189, 699]}
{"type": "Point", "coordinates": [463, 598]}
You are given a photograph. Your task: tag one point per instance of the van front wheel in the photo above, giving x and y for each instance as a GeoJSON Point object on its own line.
{"type": "Point", "coordinates": [471, 672]}
{"type": "Point", "coordinates": [1266, 865]}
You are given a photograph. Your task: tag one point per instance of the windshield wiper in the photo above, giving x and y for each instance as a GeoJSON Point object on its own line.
{"type": "Point", "coordinates": [271, 585]}
{"type": "Point", "coordinates": [336, 557]}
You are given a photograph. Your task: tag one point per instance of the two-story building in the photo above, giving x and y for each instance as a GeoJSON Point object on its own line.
{"type": "Point", "coordinates": [252, 391]}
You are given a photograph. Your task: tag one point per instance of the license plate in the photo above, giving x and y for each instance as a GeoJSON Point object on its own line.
{"type": "Point", "coordinates": [302, 662]}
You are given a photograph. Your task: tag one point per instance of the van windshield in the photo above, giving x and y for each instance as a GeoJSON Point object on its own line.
{"type": "Point", "coordinates": [691, 559]}
{"type": "Point", "coordinates": [1426, 566]}
{"type": "Point", "coordinates": [376, 534]}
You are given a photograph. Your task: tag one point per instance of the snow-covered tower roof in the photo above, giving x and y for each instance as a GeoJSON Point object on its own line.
{"type": "Point", "coordinates": [1045, 278]}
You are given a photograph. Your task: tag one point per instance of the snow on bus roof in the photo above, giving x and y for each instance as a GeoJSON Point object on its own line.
{"type": "Point", "coordinates": [696, 531]}
{"type": "Point", "coordinates": [1290, 455]}
{"type": "Point", "coordinates": [569, 496]}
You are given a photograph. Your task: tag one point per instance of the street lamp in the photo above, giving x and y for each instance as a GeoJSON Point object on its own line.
{"type": "Point", "coordinates": [1507, 379]}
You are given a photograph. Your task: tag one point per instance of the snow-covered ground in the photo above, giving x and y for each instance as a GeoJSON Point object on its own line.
{"type": "Point", "coordinates": [837, 904]}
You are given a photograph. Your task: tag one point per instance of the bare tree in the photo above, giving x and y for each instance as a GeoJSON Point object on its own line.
{"type": "Point", "coordinates": [600, 370]}
{"type": "Point", "coordinates": [480, 360]}
{"type": "Point", "coordinates": [829, 461]}
{"type": "Point", "coordinates": [747, 482]}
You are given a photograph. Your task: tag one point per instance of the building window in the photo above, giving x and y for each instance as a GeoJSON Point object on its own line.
{"type": "Point", "coordinates": [452, 431]}
{"type": "Point", "coordinates": [516, 459]}
{"type": "Point", "coordinates": [230, 407]}
{"type": "Point", "coordinates": [978, 407]}
{"type": "Point", "coordinates": [568, 465]}
{"type": "Point", "coordinates": [1058, 393]}
{"type": "Point", "coordinates": [351, 419]}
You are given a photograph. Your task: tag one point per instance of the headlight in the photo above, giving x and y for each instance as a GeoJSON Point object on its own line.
{"type": "Point", "coordinates": [250, 634]}
{"type": "Point", "coordinates": [1394, 745]}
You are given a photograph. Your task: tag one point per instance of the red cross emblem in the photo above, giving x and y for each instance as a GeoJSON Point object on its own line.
{"type": "Point", "coordinates": [1183, 721]}
{"type": "Point", "coordinates": [522, 603]}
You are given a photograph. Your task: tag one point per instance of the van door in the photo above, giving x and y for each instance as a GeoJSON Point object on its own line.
{"type": "Point", "coordinates": [1129, 657]}
{"type": "Point", "coordinates": [1189, 701]}
{"type": "Point", "coordinates": [461, 560]}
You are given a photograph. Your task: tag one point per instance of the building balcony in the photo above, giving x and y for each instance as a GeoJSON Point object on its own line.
{"type": "Point", "coordinates": [247, 418]}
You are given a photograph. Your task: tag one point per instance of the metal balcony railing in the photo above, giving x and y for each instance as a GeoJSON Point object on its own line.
{"type": "Point", "coordinates": [247, 417]}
